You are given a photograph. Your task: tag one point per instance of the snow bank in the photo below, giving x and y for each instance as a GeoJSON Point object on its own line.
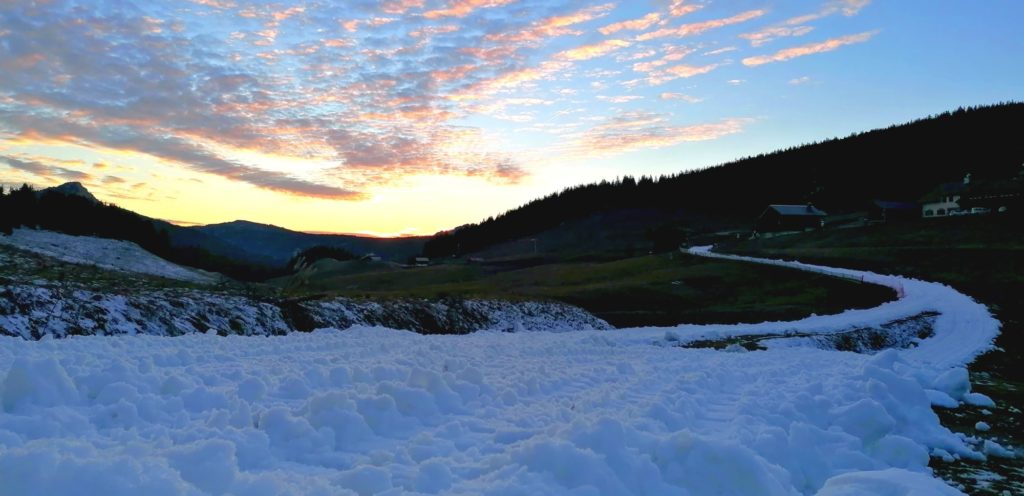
{"type": "Point", "coordinates": [112, 254]}
{"type": "Point", "coordinates": [447, 316]}
{"type": "Point", "coordinates": [59, 310]}
{"type": "Point", "coordinates": [33, 312]}
{"type": "Point", "coordinates": [378, 411]}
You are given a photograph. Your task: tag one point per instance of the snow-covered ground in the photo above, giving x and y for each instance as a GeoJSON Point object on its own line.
{"type": "Point", "coordinates": [378, 411]}
{"type": "Point", "coordinates": [110, 254]}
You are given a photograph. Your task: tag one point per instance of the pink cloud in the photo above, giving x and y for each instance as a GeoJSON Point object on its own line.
{"type": "Point", "coordinates": [810, 49]}
{"type": "Point", "coordinates": [632, 25]}
{"type": "Point", "coordinates": [641, 130]}
{"type": "Point", "coordinates": [587, 52]}
{"type": "Point", "coordinates": [462, 8]}
{"type": "Point", "coordinates": [696, 28]}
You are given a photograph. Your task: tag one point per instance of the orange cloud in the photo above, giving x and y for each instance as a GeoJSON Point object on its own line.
{"type": "Point", "coordinates": [217, 4]}
{"type": "Point", "coordinates": [633, 25]}
{"type": "Point", "coordinates": [554, 26]}
{"type": "Point", "coordinates": [401, 6]}
{"type": "Point", "coordinates": [510, 80]}
{"type": "Point", "coordinates": [353, 25]}
{"type": "Point", "coordinates": [462, 8]}
{"type": "Point", "coordinates": [680, 8]}
{"type": "Point", "coordinates": [800, 51]}
{"type": "Point", "coordinates": [657, 75]}
{"type": "Point", "coordinates": [696, 28]}
{"type": "Point", "coordinates": [685, 71]}
{"type": "Point", "coordinates": [639, 130]}
{"type": "Point", "coordinates": [588, 52]}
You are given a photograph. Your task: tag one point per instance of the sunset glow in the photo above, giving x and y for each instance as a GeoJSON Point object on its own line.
{"type": "Point", "coordinates": [412, 116]}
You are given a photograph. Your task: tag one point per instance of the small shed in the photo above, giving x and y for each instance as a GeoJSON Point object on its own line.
{"type": "Point", "coordinates": [788, 218]}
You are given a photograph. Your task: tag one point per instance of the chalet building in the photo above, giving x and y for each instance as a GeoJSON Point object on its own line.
{"type": "Point", "coordinates": [789, 218]}
{"type": "Point", "coordinates": [944, 199]}
{"type": "Point", "coordinates": [892, 211]}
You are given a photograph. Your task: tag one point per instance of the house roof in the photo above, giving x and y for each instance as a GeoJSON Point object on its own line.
{"type": "Point", "coordinates": [798, 210]}
{"type": "Point", "coordinates": [895, 205]}
{"type": "Point", "coordinates": [945, 189]}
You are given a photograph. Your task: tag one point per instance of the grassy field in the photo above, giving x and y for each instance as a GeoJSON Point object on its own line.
{"type": "Point", "coordinates": [664, 289]}
{"type": "Point", "coordinates": [982, 256]}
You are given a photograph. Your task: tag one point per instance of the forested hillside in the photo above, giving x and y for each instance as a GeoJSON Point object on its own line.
{"type": "Point", "coordinates": [901, 162]}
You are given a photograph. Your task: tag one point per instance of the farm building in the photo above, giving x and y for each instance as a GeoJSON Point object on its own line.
{"type": "Point", "coordinates": [788, 218]}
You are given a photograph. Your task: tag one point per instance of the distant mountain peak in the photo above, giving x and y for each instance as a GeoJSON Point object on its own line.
{"type": "Point", "coordinates": [74, 188]}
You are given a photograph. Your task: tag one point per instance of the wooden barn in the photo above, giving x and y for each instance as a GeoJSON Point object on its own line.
{"type": "Point", "coordinates": [789, 218]}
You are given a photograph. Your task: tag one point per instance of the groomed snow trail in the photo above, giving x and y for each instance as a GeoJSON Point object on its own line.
{"type": "Point", "coordinates": [380, 411]}
{"type": "Point", "coordinates": [964, 329]}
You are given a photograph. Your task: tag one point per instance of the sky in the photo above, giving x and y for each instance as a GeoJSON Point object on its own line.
{"type": "Point", "coordinates": [406, 117]}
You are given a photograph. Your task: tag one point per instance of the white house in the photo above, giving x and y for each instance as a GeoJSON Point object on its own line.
{"type": "Point", "coordinates": [944, 199]}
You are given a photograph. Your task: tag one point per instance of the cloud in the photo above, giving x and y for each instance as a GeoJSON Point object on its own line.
{"type": "Point", "coordinates": [399, 7]}
{"type": "Point", "coordinates": [330, 99]}
{"type": "Point", "coordinates": [796, 26]}
{"type": "Point", "coordinates": [217, 4]}
{"type": "Point", "coordinates": [696, 28]}
{"type": "Point", "coordinates": [108, 79]}
{"type": "Point", "coordinates": [758, 38]}
{"type": "Point", "coordinates": [42, 170]}
{"type": "Point", "coordinates": [558, 25]}
{"type": "Point", "coordinates": [588, 52]}
{"type": "Point", "coordinates": [462, 8]}
{"type": "Point", "coordinates": [720, 51]}
{"type": "Point", "coordinates": [800, 51]}
{"type": "Point", "coordinates": [619, 98]}
{"type": "Point", "coordinates": [680, 8]}
{"type": "Point", "coordinates": [679, 96]}
{"type": "Point", "coordinates": [642, 130]}
{"type": "Point", "coordinates": [800, 80]}
{"type": "Point", "coordinates": [632, 25]}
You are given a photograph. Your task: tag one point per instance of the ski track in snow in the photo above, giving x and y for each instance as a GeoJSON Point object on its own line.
{"type": "Point", "coordinates": [379, 411]}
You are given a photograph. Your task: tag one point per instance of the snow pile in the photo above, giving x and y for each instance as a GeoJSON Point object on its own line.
{"type": "Point", "coordinates": [446, 316]}
{"type": "Point", "coordinates": [371, 410]}
{"type": "Point", "coordinates": [33, 311]}
{"type": "Point", "coordinates": [110, 254]}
